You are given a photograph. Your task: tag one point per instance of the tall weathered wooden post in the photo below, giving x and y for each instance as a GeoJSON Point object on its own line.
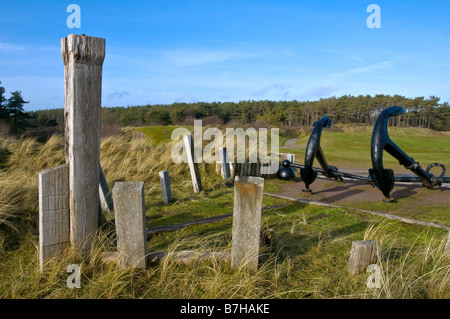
{"type": "Point", "coordinates": [83, 59]}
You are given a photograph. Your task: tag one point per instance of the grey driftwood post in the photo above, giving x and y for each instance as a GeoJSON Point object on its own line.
{"type": "Point", "coordinates": [165, 186]}
{"type": "Point", "coordinates": [248, 194]}
{"type": "Point", "coordinates": [193, 165]}
{"type": "Point", "coordinates": [232, 169]}
{"type": "Point", "coordinates": [129, 210]}
{"type": "Point", "coordinates": [106, 201]}
{"type": "Point", "coordinates": [290, 158]}
{"type": "Point", "coordinates": [363, 254]}
{"type": "Point", "coordinates": [83, 59]}
{"type": "Point", "coordinates": [53, 212]}
{"type": "Point", "coordinates": [224, 163]}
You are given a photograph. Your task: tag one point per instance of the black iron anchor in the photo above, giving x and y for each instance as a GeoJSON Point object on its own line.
{"type": "Point", "coordinates": [314, 150]}
{"type": "Point", "coordinates": [383, 178]}
{"type": "Point", "coordinates": [379, 177]}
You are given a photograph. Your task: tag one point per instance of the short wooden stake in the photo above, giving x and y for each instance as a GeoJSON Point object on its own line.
{"type": "Point", "coordinates": [248, 194]}
{"type": "Point", "coordinates": [53, 212]}
{"type": "Point", "coordinates": [290, 158]}
{"type": "Point", "coordinates": [232, 169]}
{"type": "Point", "coordinates": [83, 59]}
{"type": "Point", "coordinates": [193, 166]}
{"type": "Point", "coordinates": [106, 201]}
{"type": "Point", "coordinates": [363, 254]}
{"type": "Point", "coordinates": [165, 186]}
{"type": "Point", "coordinates": [224, 163]}
{"type": "Point", "coordinates": [129, 209]}
{"type": "Point", "coordinates": [249, 169]}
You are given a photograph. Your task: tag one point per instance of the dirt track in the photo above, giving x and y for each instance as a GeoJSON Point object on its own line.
{"type": "Point", "coordinates": [330, 191]}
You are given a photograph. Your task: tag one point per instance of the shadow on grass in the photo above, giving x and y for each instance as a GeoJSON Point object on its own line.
{"type": "Point", "coordinates": [394, 253]}
{"type": "Point", "coordinates": [4, 156]}
{"type": "Point", "coordinates": [301, 244]}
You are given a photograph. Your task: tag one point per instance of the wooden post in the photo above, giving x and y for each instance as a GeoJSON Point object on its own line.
{"type": "Point", "coordinates": [106, 201]}
{"type": "Point", "coordinates": [83, 59]}
{"type": "Point", "coordinates": [290, 158]}
{"type": "Point", "coordinates": [224, 163]}
{"type": "Point", "coordinates": [258, 169]}
{"type": "Point", "coordinates": [232, 169]}
{"type": "Point", "coordinates": [129, 210]}
{"type": "Point", "coordinates": [165, 186]}
{"type": "Point", "coordinates": [248, 194]}
{"type": "Point", "coordinates": [53, 212]}
{"type": "Point", "coordinates": [193, 166]}
{"type": "Point", "coordinates": [363, 254]}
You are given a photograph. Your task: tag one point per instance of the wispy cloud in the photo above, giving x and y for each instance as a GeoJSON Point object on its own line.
{"type": "Point", "coordinates": [322, 90]}
{"type": "Point", "coordinates": [11, 47]}
{"type": "Point", "coordinates": [273, 87]}
{"type": "Point", "coordinates": [187, 58]}
{"type": "Point", "coordinates": [318, 91]}
{"type": "Point", "coordinates": [365, 69]}
{"type": "Point", "coordinates": [118, 95]}
{"type": "Point", "coordinates": [342, 53]}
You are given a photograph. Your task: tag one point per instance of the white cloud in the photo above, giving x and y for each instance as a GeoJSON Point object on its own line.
{"type": "Point", "coordinates": [10, 47]}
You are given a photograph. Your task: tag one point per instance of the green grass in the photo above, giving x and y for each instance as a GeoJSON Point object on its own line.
{"type": "Point", "coordinates": [308, 258]}
{"type": "Point", "coordinates": [157, 135]}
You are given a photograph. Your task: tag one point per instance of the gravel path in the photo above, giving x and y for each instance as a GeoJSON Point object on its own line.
{"type": "Point", "coordinates": [291, 142]}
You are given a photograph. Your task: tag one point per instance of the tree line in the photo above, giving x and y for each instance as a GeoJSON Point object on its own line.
{"type": "Point", "coordinates": [362, 109]}
{"type": "Point", "coordinates": [347, 109]}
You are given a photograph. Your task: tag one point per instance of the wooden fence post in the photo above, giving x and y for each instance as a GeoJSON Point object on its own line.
{"type": "Point", "coordinates": [53, 212]}
{"type": "Point", "coordinates": [129, 210]}
{"type": "Point", "coordinates": [165, 186]}
{"type": "Point", "coordinates": [290, 158]}
{"type": "Point", "coordinates": [193, 166]}
{"type": "Point", "coordinates": [363, 254]}
{"type": "Point", "coordinates": [248, 194]}
{"type": "Point", "coordinates": [106, 201]}
{"type": "Point", "coordinates": [232, 169]}
{"type": "Point", "coordinates": [224, 163]}
{"type": "Point", "coordinates": [83, 59]}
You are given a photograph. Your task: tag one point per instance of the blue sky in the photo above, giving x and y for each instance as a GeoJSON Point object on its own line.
{"type": "Point", "coordinates": [166, 51]}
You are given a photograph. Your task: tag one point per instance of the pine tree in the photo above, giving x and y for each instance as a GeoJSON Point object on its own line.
{"type": "Point", "coordinates": [3, 113]}
{"type": "Point", "coordinates": [16, 117]}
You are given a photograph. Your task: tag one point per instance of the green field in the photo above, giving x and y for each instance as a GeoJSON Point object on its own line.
{"type": "Point", "coordinates": [308, 257]}
{"type": "Point", "coordinates": [157, 135]}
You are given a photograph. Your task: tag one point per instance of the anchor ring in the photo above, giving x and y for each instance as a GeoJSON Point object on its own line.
{"type": "Point", "coordinates": [437, 164]}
